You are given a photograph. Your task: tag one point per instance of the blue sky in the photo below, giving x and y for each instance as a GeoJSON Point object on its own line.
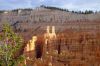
{"type": "Point", "coordinates": [68, 4]}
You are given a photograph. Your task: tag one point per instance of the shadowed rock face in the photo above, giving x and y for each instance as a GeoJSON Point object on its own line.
{"type": "Point", "coordinates": [46, 17]}
{"type": "Point", "coordinates": [33, 22]}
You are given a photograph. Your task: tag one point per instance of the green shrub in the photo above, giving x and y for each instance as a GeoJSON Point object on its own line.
{"type": "Point", "coordinates": [10, 44]}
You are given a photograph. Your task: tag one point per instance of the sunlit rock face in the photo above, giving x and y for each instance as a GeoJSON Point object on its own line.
{"type": "Point", "coordinates": [69, 44]}
{"type": "Point", "coordinates": [50, 33]}
{"type": "Point", "coordinates": [31, 45]}
{"type": "Point", "coordinates": [39, 45]}
{"type": "Point", "coordinates": [50, 39]}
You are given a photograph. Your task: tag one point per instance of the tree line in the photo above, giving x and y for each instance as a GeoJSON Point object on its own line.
{"type": "Point", "coordinates": [55, 8]}
{"type": "Point", "coordinates": [67, 10]}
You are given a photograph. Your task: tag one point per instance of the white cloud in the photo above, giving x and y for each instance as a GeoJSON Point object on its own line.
{"type": "Point", "coordinates": [68, 4]}
{"type": "Point", "coordinates": [81, 6]}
